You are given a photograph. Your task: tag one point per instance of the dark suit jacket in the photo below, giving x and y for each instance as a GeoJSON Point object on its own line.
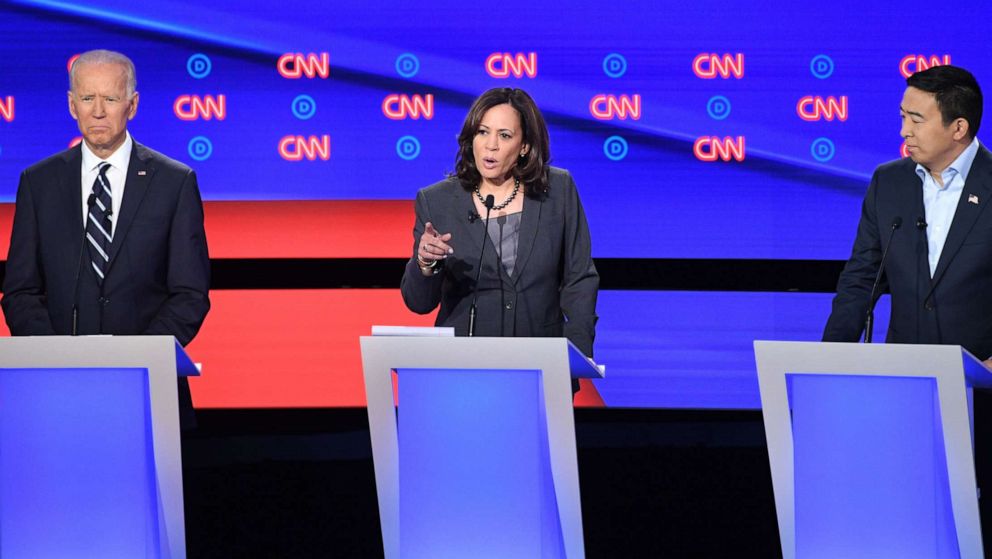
{"type": "Point", "coordinates": [554, 285]}
{"type": "Point", "coordinates": [955, 307]}
{"type": "Point", "coordinates": [159, 270]}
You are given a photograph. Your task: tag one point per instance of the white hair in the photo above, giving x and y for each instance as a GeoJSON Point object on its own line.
{"type": "Point", "coordinates": [105, 57]}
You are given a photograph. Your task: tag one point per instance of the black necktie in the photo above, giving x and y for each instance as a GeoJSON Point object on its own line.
{"type": "Point", "coordinates": [99, 231]}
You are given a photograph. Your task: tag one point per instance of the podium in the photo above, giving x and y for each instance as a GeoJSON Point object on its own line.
{"type": "Point", "coordinates": [871, 448]}
{"type": "Point", "coordinates": [90, 462]}
{"type": "Point", "coordinates": [480, 459]}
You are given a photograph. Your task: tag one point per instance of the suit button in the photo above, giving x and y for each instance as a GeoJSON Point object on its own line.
{"type": "Point", "coordinates": [104, 301]}
{"type": "Point", "coordinates": [928, 305]}
{"type": "Point", "coordinates": [509, 306]}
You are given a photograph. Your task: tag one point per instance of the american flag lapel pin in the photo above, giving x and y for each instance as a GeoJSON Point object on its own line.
{"type": "Point", "coordinates": [973, 199]}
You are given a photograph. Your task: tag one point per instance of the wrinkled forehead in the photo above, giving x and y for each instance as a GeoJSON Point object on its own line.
{"type": "Point", "coordinates": [99, 76]}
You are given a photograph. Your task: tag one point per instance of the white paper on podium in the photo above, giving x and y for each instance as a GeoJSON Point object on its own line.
{"type": "Point", "coordinates": [415, 331]}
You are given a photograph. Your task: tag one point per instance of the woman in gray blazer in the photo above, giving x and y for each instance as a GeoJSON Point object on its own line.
{"type": "Point", "coordinates": [537, 276]}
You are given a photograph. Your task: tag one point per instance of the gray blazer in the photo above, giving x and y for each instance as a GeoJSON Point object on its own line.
{"type": "Point", "coordinates": [553, 289]}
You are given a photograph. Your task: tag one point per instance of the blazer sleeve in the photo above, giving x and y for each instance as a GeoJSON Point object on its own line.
{"type": "Point", "coordinates": [24, 290]}
{"type": "Point", "coordinates": [850, 306]}
{"type": "Point", "coordinates": [580, 280]}
{"type": "Point", "coordinates": [421, 293]}
{"type": "Point", "coordinates": [188, 276]}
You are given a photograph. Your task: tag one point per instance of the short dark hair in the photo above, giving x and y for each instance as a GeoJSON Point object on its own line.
{"type": "Point", "coordinates": [956, 91]}
{"type": "Point", "coordinates": [532, 168]}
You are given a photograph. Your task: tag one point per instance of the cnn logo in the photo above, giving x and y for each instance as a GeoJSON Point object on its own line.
{"type": "Point", "coordinates": [710, 65]}
{"type": "Point", "coordinates": [913, 63]}
{"type": "Point", "coordinates": [810, 108]}
{"type": "Point", "coordinates": [194, 107]}
{"type": "Point", "coordinates": [399, 107]}
{"type": "Point", "coordinates": [298, 148]}
{"type": "Point", "coordinates": [712, 148]}
{"type": "Point", "coordinates": [504, 65]}
{"type": "Point", "coordinates": [7, 108]}
{"type": "Point", "coordinates": [609, 107]}
{"type": "Point", "coordinates": [295, 65]}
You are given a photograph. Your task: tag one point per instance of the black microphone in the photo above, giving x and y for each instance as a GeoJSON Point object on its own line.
{"type": "Point", "coordinates": [489, 203]}
{"type": "Point", "coordinates": [921, 223]}
{"type": "Point", "coordinates": [870, 319]}
{"type": "Point", "coordinates": [79, 264]}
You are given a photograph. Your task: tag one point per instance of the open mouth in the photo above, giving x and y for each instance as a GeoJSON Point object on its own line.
{"type": "Point", "coordinates": [489, 162]}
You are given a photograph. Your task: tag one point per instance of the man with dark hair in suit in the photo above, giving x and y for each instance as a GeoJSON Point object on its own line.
{"type": "Point", "coordinates": [108, 235]}
{"type": "Point", "coordinates": [939, 265]}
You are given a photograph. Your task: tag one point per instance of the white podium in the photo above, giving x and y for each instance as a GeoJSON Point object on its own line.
{"type": "Point", "coordinates": [481, 460]}
{"type": "Point", "coordinates": [871, 448]}
{"type": "Point", "coordinates": [90, 462]}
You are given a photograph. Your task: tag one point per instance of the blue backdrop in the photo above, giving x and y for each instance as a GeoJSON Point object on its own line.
{"type": "Point", "coordinates": [794, 195]}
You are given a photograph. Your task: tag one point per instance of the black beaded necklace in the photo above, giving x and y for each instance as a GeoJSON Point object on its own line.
{"type": "Point", "coordinates": [504, 203]}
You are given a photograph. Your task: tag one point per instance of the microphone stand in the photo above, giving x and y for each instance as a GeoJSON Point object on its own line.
{"type": "Point", "coordinates": [870, 318]}
{"type": "Point", "coordinates": [489, 203]}
{"type": "Point", "coordinates": [79, 264]}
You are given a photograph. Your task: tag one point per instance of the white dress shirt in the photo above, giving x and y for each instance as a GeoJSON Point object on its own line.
{"type": "Point", "coordinates": [116, 174]}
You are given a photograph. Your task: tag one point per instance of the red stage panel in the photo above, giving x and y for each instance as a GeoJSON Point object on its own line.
{"type": "Point", "coordinates": [295, 348]}
{"type": "Point", "coordinates": [290, 348]}
{"type": "Point", "coordinates": [6, 222]}
{"type": "Point", "coordinates": [311, 229]}
{"type": "Point", "coordinates": [315, 229]}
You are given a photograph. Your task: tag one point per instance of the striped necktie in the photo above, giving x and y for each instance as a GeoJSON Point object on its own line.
{"type": "Point", "coordinates": [98, 227]}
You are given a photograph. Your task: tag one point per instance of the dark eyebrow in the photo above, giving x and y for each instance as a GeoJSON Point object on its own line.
{"type": "Point", "coordinates": [911, 112]}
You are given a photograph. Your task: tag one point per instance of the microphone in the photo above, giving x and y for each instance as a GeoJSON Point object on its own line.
{"type": "Point", "coordinates": [79, 264]}
{"type": "Point", "coordinates": [870, 319]}
{"type": "Point", "coordinates": [921, 223]}
{"type": "Point", "coordinates": [489, 203]}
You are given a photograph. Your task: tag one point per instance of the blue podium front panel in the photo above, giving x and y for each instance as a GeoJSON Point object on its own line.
{"type": "Point", "coordinates": [77, 472]}
{"type": "Point", "coordinates": [870, 469]}
{"type": "Point", "coordinates": [474, 465]}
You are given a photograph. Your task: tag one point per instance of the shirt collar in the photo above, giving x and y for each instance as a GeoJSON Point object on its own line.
{"type": "Point", "coordinates": [961, 165]}
{"type": "Point", "coordinates": [119, 159]}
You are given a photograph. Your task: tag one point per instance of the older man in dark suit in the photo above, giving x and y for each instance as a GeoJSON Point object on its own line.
{"type": "Point", "coordinates": [108, 236]}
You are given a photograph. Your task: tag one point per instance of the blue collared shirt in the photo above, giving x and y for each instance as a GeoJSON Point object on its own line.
{"type": "Point", "coordinates": [939, 202]}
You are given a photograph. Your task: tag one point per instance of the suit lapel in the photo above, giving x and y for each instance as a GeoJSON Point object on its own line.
{"type": "Point", "coordinates": [139, 176]}
{"type": "Point", "coordinates": [72, 187]}
{"type": "Point", "coordinates": [528, 233]}
{"type": "Point", "coordinates": [977, 187]}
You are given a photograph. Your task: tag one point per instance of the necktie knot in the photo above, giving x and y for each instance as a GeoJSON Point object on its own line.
{"type": "Point", "coordinates": [102, 184]}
